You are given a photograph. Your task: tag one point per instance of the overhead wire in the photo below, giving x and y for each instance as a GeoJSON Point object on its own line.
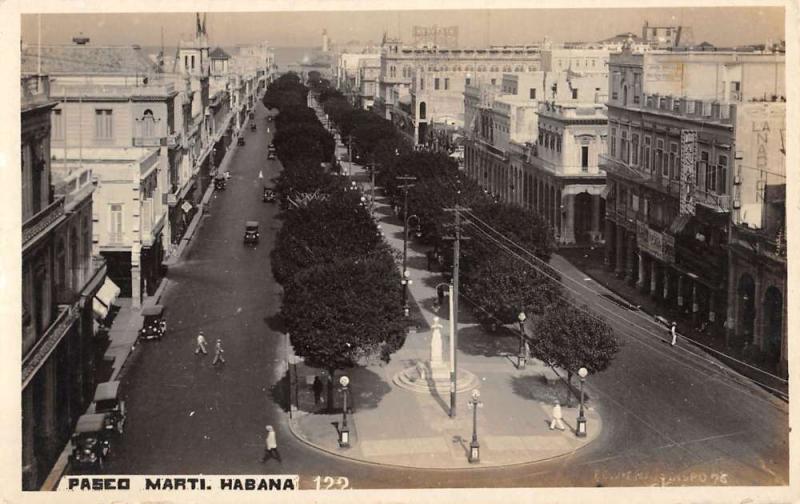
{"type": "Point", "coordinates": [471, 215]}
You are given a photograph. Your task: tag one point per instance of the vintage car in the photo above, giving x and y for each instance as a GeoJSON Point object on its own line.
{"type": "Point", "coordinates": [251, 232]}
{"type": "Point", "coordinates": [271, 151]}
{"type": "Point", "coordinates": [219, 182]}
{"type": "Point", "coordinates": [252, 126]}
{"type": "Point", "coordinates": [90, 442]}
{"type": "Point", "coordinates": [240, 140]}
{"type": "Point", "coordinates": [154, 324]}
{"type": "Point", "coordinates": [107, 401]}
{"type": "Point", "coordinates": [269, 195]}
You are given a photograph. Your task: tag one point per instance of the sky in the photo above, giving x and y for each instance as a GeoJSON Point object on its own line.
{"type": "Point", "coordinates": [722, 26]}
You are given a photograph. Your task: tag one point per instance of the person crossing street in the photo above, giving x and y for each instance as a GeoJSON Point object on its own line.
{"type": "Point", "coordinates": [271, 446]}
{"type": "Point", "coordinates": [218, 351]}
{"type": "Point", "coordinates": [558, 418]}
{"type": "Point", "coordinates": [201, 344]}
{"type": "Point", "coordinates": [673, 331]}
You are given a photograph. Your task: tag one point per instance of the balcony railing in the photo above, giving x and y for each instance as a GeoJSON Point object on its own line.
{"type": "Point", "coordinates": [718, 202]}
{"type": "Point", "coordinates": [44, 346]}
{"type": "Point", "coordinates": [37, 224]}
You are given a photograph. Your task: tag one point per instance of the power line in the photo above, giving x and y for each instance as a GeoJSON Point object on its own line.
{"type": "Point", "coordinates": [638, 314]}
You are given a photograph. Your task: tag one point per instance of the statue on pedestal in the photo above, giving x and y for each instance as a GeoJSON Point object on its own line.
{"type": "Point", "coordinates": [436, 343]}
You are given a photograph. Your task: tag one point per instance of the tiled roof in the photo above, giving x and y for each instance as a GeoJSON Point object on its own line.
{"type": "Point", "coordinates": [219, 53]}
{"type": "Point", "coordinates": [78, 59]}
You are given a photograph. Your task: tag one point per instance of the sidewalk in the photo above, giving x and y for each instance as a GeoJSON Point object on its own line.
{"type": "Point", "coordinates": [395, 426]}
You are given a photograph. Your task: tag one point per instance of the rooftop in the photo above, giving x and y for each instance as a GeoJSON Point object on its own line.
{"type": "Point", "coordinates": [219, 53]}
{"type": "Point", "coordinates": [85, 59]}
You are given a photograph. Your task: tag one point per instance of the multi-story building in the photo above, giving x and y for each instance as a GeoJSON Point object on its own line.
{"type": "Point", "coordinates": [369, 70]}
{"type": "Point", "coordinates": [60, 278]}
{"type": "Point", "coordinates": [757, 278]}
{"type": "Point", "coordinates": [676, 172]}
{"type": "Point", "coordinates": [552, 167]}
{"type": "Point", "coordinates": [114, 98]}
{"type": "Point", "coordinates": [435, 78]}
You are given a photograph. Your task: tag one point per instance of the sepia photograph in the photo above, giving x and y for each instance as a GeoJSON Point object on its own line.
{"type": "Point", "coordinates": [316, 248]}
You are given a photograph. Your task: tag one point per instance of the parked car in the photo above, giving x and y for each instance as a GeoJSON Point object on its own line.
{"type": "Point", "coordinates": [271, 151]}
{"type": "Point", "coordinates": [107, 402]}
{"type": "Point", "coordinates": [90, 442]}
{"type": "Point", "coordinates": [269, 195]}
{"type": "Point", "coordinates": [154, 324]}
{"type": "Point", "coordinates": [219, 182]}
{"type": "Point", "coordinates": [240, 140]}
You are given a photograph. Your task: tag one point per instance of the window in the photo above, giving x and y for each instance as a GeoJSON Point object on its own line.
{"type": "Point", "coordinates": [103, 123]}
{"type": "Point", "coordinates": [624, 150]}
{"type": "Point", "coordinates": [660, 158]}
{"type": "Point", "coordinates": [646, 155]}
{"type": "Point", "coordinates": [148, 124]}
{"type": "Point", "coordinates": [635, 149]}
{"type": "Point", "coordinates": [722, 175]}
{"type": "Point", "coordinates": [192, 62]}
{"type": "Point", "coordinates": [186, 62]}
{"type": "Point", "coordinates": [436, 83]}
{"type": "Point", "coordinates": [613, 145]}
{"type": "Point", "coordinates": [61, 264]}
{"type": "Point", "coordinates": [674, 160]}
{"type": "Point", "coordinates": [584, 158]}
{"type": "Point", "coordinates": [446, 83]}
{"type": "Point", "coordinates": [494, 82]}
{"type": "Point", "coordinates": [115, 223]}
{"type": "Point", "coordinates": [702, 170]}
{"type": "Point", "coordinates": [467, 81]}
{"type": "Point", "coordinates": [574, 94]}
{"type": "Point", "coordinates": [532, 93]}
{"type": "Point", "coordinates": [558, 143]}
{"type": "Point", "coordinates": [58, 124]}
{"type": "Point", "coordinates": [421, 83]}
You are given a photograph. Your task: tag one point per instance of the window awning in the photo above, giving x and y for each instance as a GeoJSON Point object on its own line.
{"type": "Point", "coordinates": [679, 223]}
{"type": "Point", "coordinates": [105, 297]}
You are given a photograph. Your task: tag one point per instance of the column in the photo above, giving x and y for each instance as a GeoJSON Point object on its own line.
{"type": "Point", "coordinates": [653, 276]}
{"type": "Point", "coordinates": [596, 218]}
{"type": "Point", "coordinates": [640, 280]}
{"type": "Point", "coordinates": [568, 226]}
{"type": "Point", "coordinates": [730, 315]}
{"type": "Point", "coordinates": [629, 255]}
{"type": "Point", "coordinates": [695, 306]}
{"type": "Point", "coordinates": [712, 306]}
{"type": "Point", "coordinates": [609, 244]}
{"type": "Point", "coordinates": [136, 277]}
{"type": "Point", "coordinates": [666, 283]}
{"type": "Point", "coordinates": [619, 267]}
{"type": "Point", "coordinates": [680, 290]}
{"type": "Point", "coordinates": [557, 204]}
{"type": "Point", "coordinates": [758, 324]}
{"type": "Point", "coordinates": [29, 466]}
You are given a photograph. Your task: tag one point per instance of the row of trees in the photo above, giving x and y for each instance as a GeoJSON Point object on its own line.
{"type": "Point", "coordinates": [342, 290]}
{"type": "Point", "coordinates": [499, 282]}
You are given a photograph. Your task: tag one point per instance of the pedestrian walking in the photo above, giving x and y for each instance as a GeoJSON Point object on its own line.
{"type": "Point", "coordinates": [201, 344]}
{"type": "Point", "coordinates": [558, 418]}
{"type": "Point", "coordinates": [218, 351]}
{"type": "Point", "coordinates": [673, 330]}
{"type": "Point", "coordinates": [317, 387]}
{"type": "Point", "coordinates": [270, 446]}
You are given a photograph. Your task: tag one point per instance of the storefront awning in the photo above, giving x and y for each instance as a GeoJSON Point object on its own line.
{"type": "Point", "coordinates": [104, 298]}
{"type": "Point", "coordinates": [679, 223]}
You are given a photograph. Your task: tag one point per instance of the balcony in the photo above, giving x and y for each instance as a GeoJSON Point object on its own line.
{"type": "Point", "coordinates": [717, 202]}
{"type": "Point", "coordinates": [44, 346]}
{"type": "Point", "coordinates": [40, 224]}
{"type": "Point", "coordinates": [35, 91]}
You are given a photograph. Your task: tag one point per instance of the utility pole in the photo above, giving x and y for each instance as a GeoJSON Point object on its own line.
{"type": "Point", "coordinates": [349, 155]}
{"type": "Point", "coordinates": [405, 187]}
{"type": "Point", "coordinates": [454, 302]}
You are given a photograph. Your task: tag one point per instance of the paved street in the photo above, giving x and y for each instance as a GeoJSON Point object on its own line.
{"type": "Point", "coordinates": [665, 411]}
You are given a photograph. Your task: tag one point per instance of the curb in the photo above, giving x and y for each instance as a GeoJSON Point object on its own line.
{"type": "Point", "coordinates": [62, 462]}
{"type": "Point", "coordinates": [323, 449]}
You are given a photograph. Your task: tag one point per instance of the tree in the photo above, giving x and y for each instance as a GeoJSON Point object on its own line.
{"type": "Point", "coordinates": [324, 230]}
{"type": "Point", "coordinates": [571, 338]}
{"type": "Point", "coordinates": [504, 286]}
{"type": "Point", "coordinates": [344, 313]}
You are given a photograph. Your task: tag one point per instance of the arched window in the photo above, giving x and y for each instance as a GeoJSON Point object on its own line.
{"type": "Point", "coordinates": [422, 110]}
{"type": "Point", "coordinates": [148, 124]}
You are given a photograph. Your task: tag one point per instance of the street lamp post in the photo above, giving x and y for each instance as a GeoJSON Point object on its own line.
{"type": "Point", "coordinates": [580, 431]}
{"type": "Point", "coordinates": [344, 432]}
{"type": "Point", "coordinates": [406, 273]}
{"type": "Point", "coordinates": [474, 446]}
{"type": "Point", "coordinates": [523, 344]}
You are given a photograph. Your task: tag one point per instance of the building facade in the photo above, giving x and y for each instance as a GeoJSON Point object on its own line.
{"type": "Point", "coordinates": [674, 165]}
{"type": "Point", "coordinates": [60, 278]}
